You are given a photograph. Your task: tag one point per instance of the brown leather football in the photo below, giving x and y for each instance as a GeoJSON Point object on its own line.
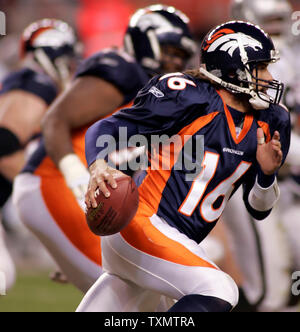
{"type": "Point", "coordinates": [114, 213]}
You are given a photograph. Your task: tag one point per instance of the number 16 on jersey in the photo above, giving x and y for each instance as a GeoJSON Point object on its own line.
{"type": "Point", "coordinates": [223, 189]}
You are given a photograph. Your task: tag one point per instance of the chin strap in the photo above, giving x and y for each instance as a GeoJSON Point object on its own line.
{"type": "Point", "coordinates": [256, 102]}
{"type": "Point", "coordinates": [259, 104]}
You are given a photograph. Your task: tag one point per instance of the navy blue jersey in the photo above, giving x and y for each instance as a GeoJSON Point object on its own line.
{"type": "Point", "coordinates": [31, 81]}
{"type": "Point", "coordinates": [210, 158]}
{"type": "Point", "coordinates": [118, 68]}
{"type": "Point", "coordinates": [113, 66]}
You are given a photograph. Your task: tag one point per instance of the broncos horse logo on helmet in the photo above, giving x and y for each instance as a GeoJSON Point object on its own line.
{"type": "Point", "coordinates": [230, 55]}
{"type": "Point", "coordinates": [230, 42]}
{"type": "Point", "coordinates": [150, 28]}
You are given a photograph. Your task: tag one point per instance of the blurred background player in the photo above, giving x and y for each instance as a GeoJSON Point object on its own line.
{"type": "Point", "coordinates": [47, 62]}
{"type": "Point", "coordinates": [262, 249]}
{"type": "Point", "coordinates": [157, 40]}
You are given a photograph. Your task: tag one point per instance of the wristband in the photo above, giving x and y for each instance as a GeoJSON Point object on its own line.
{"type": "Point", "coordinates": [263, 199]}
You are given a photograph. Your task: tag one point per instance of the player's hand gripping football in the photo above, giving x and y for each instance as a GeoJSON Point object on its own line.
{"type": "Point", "coordinates": [100, 175]}
{"type": "Point", "coordinates": [268, 155]}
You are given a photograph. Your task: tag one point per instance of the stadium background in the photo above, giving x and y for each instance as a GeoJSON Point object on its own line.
{"type": "Point", "coordinates": [99, 23]}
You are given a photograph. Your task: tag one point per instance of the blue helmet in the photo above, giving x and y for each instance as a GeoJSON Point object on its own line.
{"type": "Point", "coordinates": [150, 28]}
{"type": "Point", "coordinates": [230, 54]}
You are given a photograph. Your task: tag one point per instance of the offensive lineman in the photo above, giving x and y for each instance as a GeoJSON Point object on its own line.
{"type": "Point", "coordinates": [48, 53]}
{"type": "Point", "coordinates": [262, 249]}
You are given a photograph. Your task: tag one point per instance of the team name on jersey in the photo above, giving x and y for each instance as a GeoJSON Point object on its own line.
{"type": "Point", "coordinates": [232, 151]}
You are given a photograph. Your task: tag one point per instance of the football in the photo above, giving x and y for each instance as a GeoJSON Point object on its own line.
{"type": "Point", "coordinates": [114, 213]}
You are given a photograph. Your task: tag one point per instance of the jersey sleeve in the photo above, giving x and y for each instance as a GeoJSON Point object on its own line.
{"type": "Point", "coordinates": [282, 123]}
{"type": "Point", "coordinates": [116, 68]}
{"type": "Point", "coordinates": [159, 108]}
{"type": "Point", "coordinates": [104, 137]}
{"type": "Point", "coordinates": [166, 105]}
{"type": "Point", "coordinates": [30, 81]}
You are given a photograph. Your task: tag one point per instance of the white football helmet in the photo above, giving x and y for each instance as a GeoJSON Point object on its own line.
{"type": "Point", "coordinates": [274, 16]}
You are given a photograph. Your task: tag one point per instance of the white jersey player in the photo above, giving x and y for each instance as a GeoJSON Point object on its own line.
{"type": "Point", "coordinates": [262, 250]}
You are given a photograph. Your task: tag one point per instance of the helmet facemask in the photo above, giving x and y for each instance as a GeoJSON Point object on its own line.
{"type": "Point", "coordinates": [60, 68]}
{"type": "Point", "coordinates": [261, 86]}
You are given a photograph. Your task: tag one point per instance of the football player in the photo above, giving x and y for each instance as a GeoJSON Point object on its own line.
{"type": "Point", "coordinates": [261, 249]}
{"type": "Point", "coordinates": [47, 54]}
{"type": "Point", "coordinates": [157, 40]}
{"type": "Point", "coordinates": [245, 137]}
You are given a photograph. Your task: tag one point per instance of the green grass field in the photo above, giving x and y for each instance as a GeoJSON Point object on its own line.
{"type": "Point", "coordinates": [35, 292]}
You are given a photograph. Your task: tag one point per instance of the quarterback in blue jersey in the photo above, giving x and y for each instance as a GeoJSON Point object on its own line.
{"type": "Point", "coordinates": [245, 139]}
